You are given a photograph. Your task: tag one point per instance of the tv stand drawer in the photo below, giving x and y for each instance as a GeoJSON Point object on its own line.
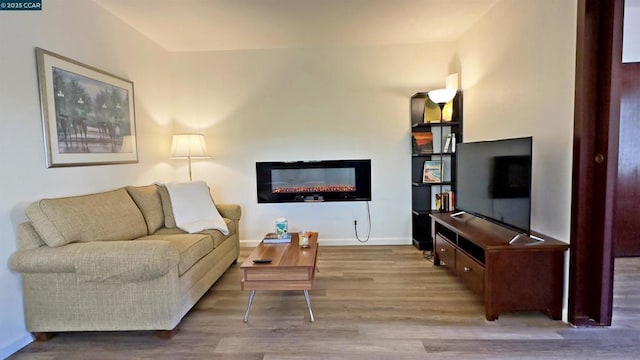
{"type": "Point", "coordinates": [444, 252]}
{"type": "Point", "coordinates": [470, 272]}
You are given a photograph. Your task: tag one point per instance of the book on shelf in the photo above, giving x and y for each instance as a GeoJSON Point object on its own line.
{"type": "Point", "coordinates": [422, 142]}
{"type": "Point", "coordinates": [444, 201]}
{"type": "Point", "coordinates": [273, 238]}
{"type": "Point", "coordinates": [432, 171]}
{"type": "Point", "coordinates": [453, 143]}
{"type": "Point", "coordinates": [447, 143]}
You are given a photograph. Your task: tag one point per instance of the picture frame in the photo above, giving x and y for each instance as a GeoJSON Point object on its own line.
{"type": "Point", "coordinates": [88, 115]}
{"type": "Point", "coordinates": [421, 142]}
{"type": "Point", "coordinates": [432, 171]}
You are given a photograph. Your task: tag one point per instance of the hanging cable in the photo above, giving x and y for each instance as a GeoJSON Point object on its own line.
{"type": "Point", "coordinates": [355, 226]}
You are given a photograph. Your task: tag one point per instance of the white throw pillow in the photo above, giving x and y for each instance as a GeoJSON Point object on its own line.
{"type": "Point", "coordinates": [193, 207]}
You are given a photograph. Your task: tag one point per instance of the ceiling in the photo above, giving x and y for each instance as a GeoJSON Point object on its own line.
{"type": "Point", "coordinates": [213, 25]}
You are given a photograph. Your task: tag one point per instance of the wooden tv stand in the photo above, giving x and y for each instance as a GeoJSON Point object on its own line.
{"type": "Point", "coordinates": [524, 276]}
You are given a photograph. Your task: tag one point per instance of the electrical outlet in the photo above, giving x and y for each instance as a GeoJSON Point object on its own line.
{"type": "Point", "coordinates": [355, 220]}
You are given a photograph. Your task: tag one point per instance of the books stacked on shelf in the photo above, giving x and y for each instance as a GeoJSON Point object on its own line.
{"type": "Point", "coordinates": [432, 171]}
{"type": "Point", "coordinates": [273, 238]}
{"type": "Point", "coordinates": [450, 143]}
{"type": "Point", "coordinates": [445, 201]}
{"type": "Point", "coordinates": [422, 142]}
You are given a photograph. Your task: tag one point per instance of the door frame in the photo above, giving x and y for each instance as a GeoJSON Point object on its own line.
{"type": "Point", "coordinates": [595, 160]}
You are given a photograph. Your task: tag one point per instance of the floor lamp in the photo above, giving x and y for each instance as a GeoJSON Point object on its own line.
{"type": "Point", "coordinates": [188, 146]}
{"type": "Point", "coordinates": [441, 97]}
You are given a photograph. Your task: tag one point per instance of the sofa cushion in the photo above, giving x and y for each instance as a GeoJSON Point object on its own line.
{"type": "Point", "coordinates": [105, 216]}
{"type": "Point", "coordinates": [217, 237]}
{"type": "Point", "coordinates": [191, 247]}
{"type": "Point", "coordinates": [148, 200]}
{"type": "Point", "coordinates": [169, 220]}
{"type": "Point", "coordinates": [124, 261]}
{"type": "Point", "coordinates": [193, 207]}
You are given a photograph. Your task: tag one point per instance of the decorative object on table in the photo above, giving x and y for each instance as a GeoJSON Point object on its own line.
{"type": "Point", "coordinates": [422, 142]}
{"type": "Point", "coordinates": [273, 238]}
{"type": "Point", "coordinates": [282, 227]}
{"type": "Point", "coordinates": [303, 239]}
{"type": "Point", "coordinates": [188, 146]}
{"type": "Point", "coordinates": [87, 114]}
{"type": "Point", "coordinates": [432, 171]}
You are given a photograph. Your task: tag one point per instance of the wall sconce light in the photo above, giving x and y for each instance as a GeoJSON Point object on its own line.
{"type": "Point", "coordinates": [188, 146]}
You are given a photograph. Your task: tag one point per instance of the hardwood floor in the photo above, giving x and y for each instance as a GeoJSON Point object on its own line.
{"type": "Point", "coordinates": [377, 302]}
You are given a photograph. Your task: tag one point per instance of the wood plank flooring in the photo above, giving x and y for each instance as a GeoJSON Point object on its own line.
{"type": "Point", "coordinates": [376, 302]}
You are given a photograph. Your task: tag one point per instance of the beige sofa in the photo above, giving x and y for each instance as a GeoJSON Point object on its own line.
{"type": "Point", "coordinates": [116, 261]}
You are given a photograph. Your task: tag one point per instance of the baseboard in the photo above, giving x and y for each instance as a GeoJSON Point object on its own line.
{"type": "Point", "coordinates": [14, 346]}
{"type": "Point", "coordinates": [344, 242]}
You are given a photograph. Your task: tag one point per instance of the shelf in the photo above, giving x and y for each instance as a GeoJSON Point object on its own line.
{"type": "Point", "coordinates": [432, 124]}
{"type": "Point", "coordinates": [433, 154]}
{"type": "Point", "coordinates": [444, 183]}
{"type": "Point", "coordinates": [423, 195]}
{"type": "Point", "coordinates": [425, 212]}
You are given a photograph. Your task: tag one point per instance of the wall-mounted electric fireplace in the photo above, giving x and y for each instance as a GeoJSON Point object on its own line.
{"type": "Point", "coordinates": [327, 180]}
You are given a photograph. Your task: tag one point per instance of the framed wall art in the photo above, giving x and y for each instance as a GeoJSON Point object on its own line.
{"type": "Point", "coordinates": [87, 114]}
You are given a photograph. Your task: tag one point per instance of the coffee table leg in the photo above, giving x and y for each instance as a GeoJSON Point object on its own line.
{"type": "Point", "coordinates": [306, 297]}
{"type": "Point", "coordinates": [252, 294]}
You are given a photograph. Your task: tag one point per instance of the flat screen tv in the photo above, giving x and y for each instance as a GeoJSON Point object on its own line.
{"type": "Point", "coordinates": [494, 181]}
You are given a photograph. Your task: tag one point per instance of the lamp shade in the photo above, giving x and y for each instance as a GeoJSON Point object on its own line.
{"type": "Point", "coordinates": [441, 96]}
{"type": "Point", "coordinates": [186, 146]}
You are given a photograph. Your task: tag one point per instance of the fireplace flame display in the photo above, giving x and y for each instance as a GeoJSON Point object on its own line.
{"type": "Point", "coordinates": [325, 180]}
{"type": "Point", "coordinates": [313, 189]}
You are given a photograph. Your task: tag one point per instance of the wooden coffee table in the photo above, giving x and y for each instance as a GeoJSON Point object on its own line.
{"type": "Point", "coordinates": [291, 268]}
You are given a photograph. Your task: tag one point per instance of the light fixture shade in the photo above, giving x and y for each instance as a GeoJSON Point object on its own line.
{"type": "Point", "coordinates": [186, 146]}
{"type": "Point", "coordinates": [441, 96]}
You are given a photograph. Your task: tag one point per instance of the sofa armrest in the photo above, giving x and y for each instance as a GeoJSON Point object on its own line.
{"type": "Point", "coordinates": [102, 261]}
{"type": "Point", "coordinates": [229, 211]}
{"type": "Point", "coordinates": [28, 237]}
{"type": "Point", "coordinates": [45, 259]}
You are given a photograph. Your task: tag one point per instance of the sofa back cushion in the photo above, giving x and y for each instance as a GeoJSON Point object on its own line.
{"type": "Point", "coordinates": [148, 200]}
{"type": "Point", "coordinates": [169, 219]}
{"type": "Point", "coordinates": [106, 216]}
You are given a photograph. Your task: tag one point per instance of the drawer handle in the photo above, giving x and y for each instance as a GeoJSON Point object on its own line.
{"type": "Point", "coordinates": [467, 269]}
{"type": "Point", "coordinates": [443, 250]}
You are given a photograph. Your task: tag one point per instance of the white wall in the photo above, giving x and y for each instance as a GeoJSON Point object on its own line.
{"type": "Point", "coordinates": [631, 32]}
{"type": "Point", "coordinates": [81, 31]}
{"type": "Point", "coordinates": [309, 104]}
{"type": "Point", "coordinates": [518, 70]}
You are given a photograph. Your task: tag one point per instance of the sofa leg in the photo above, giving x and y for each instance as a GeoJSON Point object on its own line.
{"type": "Point", "coordinates": [166, 334]}
{"type": "Point", "coordinates": [44, 336]}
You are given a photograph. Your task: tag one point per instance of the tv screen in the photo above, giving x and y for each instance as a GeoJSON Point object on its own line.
{"type": "Point", "coordinates": [494, 181]}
